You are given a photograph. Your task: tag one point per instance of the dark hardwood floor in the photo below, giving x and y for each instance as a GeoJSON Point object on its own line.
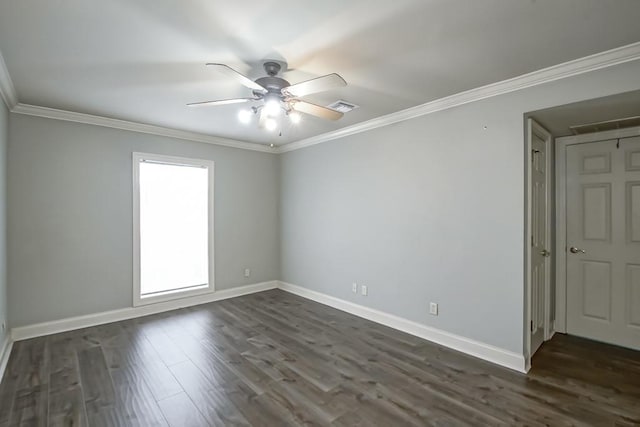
{"type": "Point", "coordinates": [274, 359]}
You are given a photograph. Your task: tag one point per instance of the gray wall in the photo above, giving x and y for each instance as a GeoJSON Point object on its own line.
{"type": "Point", "coordinates": [430, 209]}
{"type": "Point", "coordinates": [70, 216]}
{"type": "Point", "coordinates": [4, 135]}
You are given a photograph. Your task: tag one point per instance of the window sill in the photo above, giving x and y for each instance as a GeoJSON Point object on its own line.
{"type": "Point", "coordinates": [173, 295]}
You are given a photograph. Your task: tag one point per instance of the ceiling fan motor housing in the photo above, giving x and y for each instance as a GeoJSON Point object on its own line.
{"type": "Point", "coordinates": [273, 84]}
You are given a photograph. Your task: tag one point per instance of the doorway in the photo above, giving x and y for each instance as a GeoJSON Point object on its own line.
{"type": "Point", "coordinates": [594, 226]}
{"type": "Point", "coordinates": [598, 220]}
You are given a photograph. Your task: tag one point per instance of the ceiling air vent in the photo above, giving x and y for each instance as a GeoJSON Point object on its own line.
{"type": "Point", "coordinates": [342, 106]}
{"type": "Point", "coordinates": [627, 122]}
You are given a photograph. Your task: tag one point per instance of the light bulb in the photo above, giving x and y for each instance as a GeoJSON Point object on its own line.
{"type": "Point", "coordinates": [244, 116]}
{"type": "Point", "coordinates": [295, 117]}
{"type": "Point", "coordinates": [272, 107]}
{"type": "Point", "coordinates": [270, 124]}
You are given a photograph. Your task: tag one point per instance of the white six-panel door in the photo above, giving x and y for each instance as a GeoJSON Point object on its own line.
{"type": "Point", "coordinates": [603, 241]}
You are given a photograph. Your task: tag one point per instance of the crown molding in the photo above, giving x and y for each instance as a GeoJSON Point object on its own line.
{"type": "Point", "coordinates": [7, 90]}
{"type": "Point", "coordinates": [575, 67]}
{"type": "Point", "coordinates": [71, 116]}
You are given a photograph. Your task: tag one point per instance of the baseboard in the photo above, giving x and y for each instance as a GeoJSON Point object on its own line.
{"type": "Point", "coordinates": [7, 345]}
{"type": "Point", "coordinates": [474, 348]}
{"type": "Point", "coordinates": [79, 322]}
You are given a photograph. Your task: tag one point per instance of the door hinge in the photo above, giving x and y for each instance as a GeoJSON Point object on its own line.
{"type": "Point", "coordinates": [532, 326]}
{"type": "Point", "coordinates": [533, 155]}
{"type": "Point", "coordinates": [618, 144]}
{"type": "Point", "coordinates": [532, 245]}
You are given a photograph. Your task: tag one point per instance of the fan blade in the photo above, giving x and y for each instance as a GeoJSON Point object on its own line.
{"type": "Point", "coordinates": [319, 84]}
{"type": "Point", "coordinates": [240, 78]}
{"type": "Point", "coordinates": [220, 102]}
{"type": "Point", "coordinates": [316, 110]}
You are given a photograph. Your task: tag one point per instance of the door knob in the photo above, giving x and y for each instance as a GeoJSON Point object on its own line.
{"type": "Point", "coordinates": [545, 253]}
{"type": "Point", "coordinates": [575, 250]}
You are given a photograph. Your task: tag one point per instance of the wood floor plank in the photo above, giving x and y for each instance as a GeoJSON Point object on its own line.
{"type": "Point", "coordinates": [9, 381]}
{"type": "Point", "coordinates": [310, 402]}
{"type": "Point", "coordinates": [133, 352]}
{"type": "Point", "coordinates": [180, 411]}
{"type": "Point", "coordinates": [30, 406]}
{"type": "Point", "coordinates": [377, 412]}
{"type": "Point", "coordinates": [98, 391]}
{"type": "Point", "coordinates": [208, 396]}
{"type": "Point", "coordinates": [135, 400]}
{"type": "Point", "coordinates": [168, 352]}
{"type": "Point", "coordinates": [66, 407]}
{"type": "Point", "coordinates": [302, 358]}
{"type": "Point", "coordinates": [240, 366]}
{"type": "Point", "coordinates": [7, 397]}
{"type": "Point", "coordinates": [66, 400]}
{"type": "Point", "coordinates": [220, 349]}
{"type": "Point", "coordinates": [259, 410]}
{"type": "Point", "coordinates": [34, 370]}
{"type": "Point", "coordinates": [276, 359]}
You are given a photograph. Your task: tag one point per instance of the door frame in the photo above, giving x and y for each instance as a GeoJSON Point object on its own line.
{"type": "Point", "coordinates": [534, 128]}
{"type": "Point", "coordinates": [560, 324]}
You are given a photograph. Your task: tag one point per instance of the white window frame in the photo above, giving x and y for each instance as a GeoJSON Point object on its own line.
{"type": "Point", "coordinates": [138, 300]}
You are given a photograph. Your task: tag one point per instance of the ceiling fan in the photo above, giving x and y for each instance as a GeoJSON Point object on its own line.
{"type": "Point", "coordinates": [277, 96]}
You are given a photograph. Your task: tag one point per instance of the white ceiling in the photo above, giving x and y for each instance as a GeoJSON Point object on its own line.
{"type": "Point", "coordinates": [143, 60]}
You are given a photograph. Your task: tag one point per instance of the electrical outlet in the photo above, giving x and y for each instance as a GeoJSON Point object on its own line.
{"type": "Point", "coordinates": [433, 308]}
{"type": "Point", "coordinates": [364, 291]}
{"type": "Point", "coordinates": [354, 287]}
{"type": "Point", "coordinates": [247, 272]}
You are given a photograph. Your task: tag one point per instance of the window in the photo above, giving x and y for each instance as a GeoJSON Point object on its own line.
{"type": "Point", "coordinates": [173, 227]}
